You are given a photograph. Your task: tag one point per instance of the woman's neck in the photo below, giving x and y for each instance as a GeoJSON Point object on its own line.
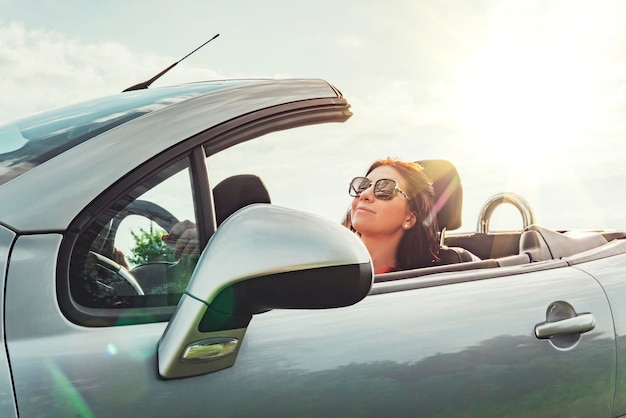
{"type": "Point", "coordinates": [382, 250]}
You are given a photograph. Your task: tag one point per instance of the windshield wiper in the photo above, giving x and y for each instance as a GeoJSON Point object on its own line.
{"type": "Point", "coordinates": [145, 84]}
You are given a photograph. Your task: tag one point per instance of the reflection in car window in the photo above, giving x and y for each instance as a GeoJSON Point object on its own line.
{"type": "Point", "coordinates": [121, 261]}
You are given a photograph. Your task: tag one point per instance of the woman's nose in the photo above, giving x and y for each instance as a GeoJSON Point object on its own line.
{"type": "Point", "coordinates": [367, 194]}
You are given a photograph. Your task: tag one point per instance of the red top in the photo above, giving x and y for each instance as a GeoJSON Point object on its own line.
{"type": "Point", "coordinates": [386, 269]}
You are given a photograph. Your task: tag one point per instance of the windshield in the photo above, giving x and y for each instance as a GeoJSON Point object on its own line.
{"type": "Point", "coordinates": [28, 142]}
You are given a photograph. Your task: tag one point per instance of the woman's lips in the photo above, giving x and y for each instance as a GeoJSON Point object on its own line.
{"type": "Point", "coordinates": [364, 209]}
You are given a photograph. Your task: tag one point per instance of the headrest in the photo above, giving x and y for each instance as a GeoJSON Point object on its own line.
{"type": "Point", "coordinates": [448, 192]}
{"type": "Point", "coordinates": [236, 192]}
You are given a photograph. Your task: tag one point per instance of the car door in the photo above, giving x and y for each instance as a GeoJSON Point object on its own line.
{"type": "Point", "coordinates": [461, 343]}
{"type": "Point", "coordinates": [427, 349]}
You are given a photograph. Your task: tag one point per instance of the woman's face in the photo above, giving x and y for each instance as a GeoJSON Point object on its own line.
{"type": "Point", "coordinates": [375, 217]}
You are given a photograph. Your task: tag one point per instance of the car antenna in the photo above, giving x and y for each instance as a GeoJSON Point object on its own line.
{"type": "Point", "coordinates": [145, 84]}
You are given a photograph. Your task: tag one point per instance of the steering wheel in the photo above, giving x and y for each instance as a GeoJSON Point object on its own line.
{"type": "Point", "coordinates": [104, 243]}
{"type": "Point", "coordinates": [117, 271]}
{"type": "Point", "coordinates": [153, 277]}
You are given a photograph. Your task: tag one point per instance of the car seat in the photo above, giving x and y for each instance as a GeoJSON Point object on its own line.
{"type": "Point", "coordinates": [236, 192]}
{"type": "Point", "coordinates": [448, 207]}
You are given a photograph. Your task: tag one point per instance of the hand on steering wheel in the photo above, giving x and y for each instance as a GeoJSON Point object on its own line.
{"type": "Point", "coordinates": [183, 238]}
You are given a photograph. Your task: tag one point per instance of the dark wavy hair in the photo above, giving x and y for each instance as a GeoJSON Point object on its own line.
{"type": "Point", "coordinates": [419, 245]}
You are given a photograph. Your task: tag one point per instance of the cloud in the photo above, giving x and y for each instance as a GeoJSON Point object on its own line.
{"type": "Point", "coordinates": [43, 69]}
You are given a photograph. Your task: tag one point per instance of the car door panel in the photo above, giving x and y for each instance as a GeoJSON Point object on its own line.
{"type": "Point", "coordinates": [7, 398]}
{"type": "Point", "coordinates": [463, 349]}
{"type": "Point", "coordinates": [460, 350]}
{"type": "Point", "coordinates": [611, 273]}
{"type": "Point", "coordinates": [61, 369]}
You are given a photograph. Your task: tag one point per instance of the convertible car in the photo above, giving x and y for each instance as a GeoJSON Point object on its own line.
{"type": "Point", "coordinates": [279, 313]}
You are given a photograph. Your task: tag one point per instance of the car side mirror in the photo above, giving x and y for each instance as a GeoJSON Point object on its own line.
{"type": "Point", "coordinates": [263, 257]}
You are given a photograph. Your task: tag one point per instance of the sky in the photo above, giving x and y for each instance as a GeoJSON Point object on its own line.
{"type": "Point", "coordinates": [530, 91]}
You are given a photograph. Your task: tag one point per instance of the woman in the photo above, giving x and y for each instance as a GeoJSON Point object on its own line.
{"type": "Point", "coordinates": [392, 213]}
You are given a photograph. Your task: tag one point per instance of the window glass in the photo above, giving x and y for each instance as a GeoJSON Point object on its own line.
{"type": "Point", "coordinates": [121, 259]}
{"type": "Point", "coordinates": [303, 168]}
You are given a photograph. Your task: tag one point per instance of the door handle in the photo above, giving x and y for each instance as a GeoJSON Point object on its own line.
{"type": "Point", "coordinates": [578, 324]}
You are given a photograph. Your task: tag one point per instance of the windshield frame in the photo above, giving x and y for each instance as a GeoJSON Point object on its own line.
{"type": "Point", "coordinates": [33, 140]}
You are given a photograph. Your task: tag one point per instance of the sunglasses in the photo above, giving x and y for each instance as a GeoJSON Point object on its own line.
{"type": "Point", "coordinates": [384, 189]}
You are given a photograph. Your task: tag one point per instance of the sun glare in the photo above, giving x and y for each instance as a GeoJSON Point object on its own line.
{"type": "Point", "coordinates": [525, 98]}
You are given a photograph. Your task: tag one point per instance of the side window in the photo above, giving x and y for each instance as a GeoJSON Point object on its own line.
{"type": "Point", "coordinates": [301, 169]}
{"type": "Point", "coordinates": [121, 260]}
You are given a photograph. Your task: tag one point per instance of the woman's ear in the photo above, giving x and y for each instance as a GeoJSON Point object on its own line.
{"type": "Point", "coordinates": [410, 220]}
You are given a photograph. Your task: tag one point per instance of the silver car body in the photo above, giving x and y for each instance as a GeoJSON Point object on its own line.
{"type": "Point", "coordinates": [452, 343]}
